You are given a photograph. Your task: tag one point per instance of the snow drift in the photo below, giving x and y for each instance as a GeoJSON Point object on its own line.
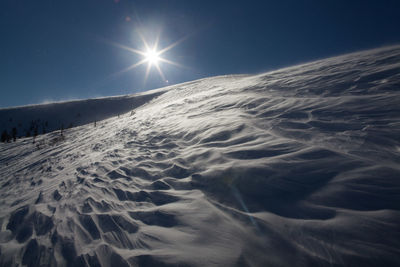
{"type": "Point", "coordinates": [295, 167]}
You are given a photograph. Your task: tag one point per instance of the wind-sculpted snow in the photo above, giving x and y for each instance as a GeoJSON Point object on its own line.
{"type": "Point", "coordinates": [296, 167]}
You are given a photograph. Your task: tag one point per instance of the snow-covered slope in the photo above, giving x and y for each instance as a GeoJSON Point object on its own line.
{"type": "Point", "coordinates": [296, 167]}
{"type": "Point", "coordinates": [54, 116]}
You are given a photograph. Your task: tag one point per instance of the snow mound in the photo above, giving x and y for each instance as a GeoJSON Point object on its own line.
{"type": "Point", "coordinates": [295, 167]}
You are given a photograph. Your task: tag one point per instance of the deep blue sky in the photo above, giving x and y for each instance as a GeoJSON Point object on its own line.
{"type": "Point", "coordinates": [58, 50]}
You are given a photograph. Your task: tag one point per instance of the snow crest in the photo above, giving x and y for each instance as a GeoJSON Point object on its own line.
{"type": "Point", "coordinates": [296, 167]}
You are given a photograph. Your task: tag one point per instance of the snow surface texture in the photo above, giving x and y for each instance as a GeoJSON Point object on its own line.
{"type": "Point", "coordinates": [295, 167]}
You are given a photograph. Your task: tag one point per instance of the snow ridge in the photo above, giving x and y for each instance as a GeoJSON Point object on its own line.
{"type": "Point", "coordinates": [295, 167]}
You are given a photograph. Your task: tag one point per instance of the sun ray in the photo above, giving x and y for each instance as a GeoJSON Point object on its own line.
{"type": "Point", "coordinates": [130, 49]}
{"type": "Point", "coordinates": [171, 62]}
{"type": "Point", "coordinates": [143, 40]}
{"type": "Point", "coordinates": [160, 72]}
{"type": "Point", "coordinates": [147, 73]}
{"type": "Point", "coordinates": [156, 43]}
{"type": "Point", "coordinates": [173, 44]}
{"type": "Point", "coordinates": [115, 74]}
{"type": "Point", "coordinates": [135, 65]}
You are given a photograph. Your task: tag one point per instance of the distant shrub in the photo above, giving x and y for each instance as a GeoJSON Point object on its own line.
{"type": "Point", "coordinates": [4, 136]}
{"type": "Point", "coordinates": [14, 134]}
{"type": "Point", "coordinates": [35, 133]}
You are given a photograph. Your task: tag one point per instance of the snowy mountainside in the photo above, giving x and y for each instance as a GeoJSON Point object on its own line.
{"type": "Point", "coordinates": [295, 167]}
{"type": "Point", "coordinates": [54, 116]}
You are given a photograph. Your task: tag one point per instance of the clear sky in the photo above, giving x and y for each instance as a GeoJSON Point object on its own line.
{"type": "Point", "coordinates": [55, 50]}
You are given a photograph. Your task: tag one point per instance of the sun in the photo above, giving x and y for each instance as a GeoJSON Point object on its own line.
{"type": "Point", "coordinates": [152, 56]}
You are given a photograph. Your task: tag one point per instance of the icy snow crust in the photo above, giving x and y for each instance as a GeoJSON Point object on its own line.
{"type": "Point", "coordinates": [296, 167]}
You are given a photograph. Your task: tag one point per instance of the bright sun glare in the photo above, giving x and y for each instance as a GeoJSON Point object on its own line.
{"type": "Point", "coordinates": [152, 57]}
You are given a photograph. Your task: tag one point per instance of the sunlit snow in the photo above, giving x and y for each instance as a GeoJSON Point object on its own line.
{"type": "Point", "coordinates": [295, 167]}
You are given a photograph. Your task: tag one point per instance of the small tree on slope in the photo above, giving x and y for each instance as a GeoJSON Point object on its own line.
{"type": "Point", "coordinates": [4, 136]}
{"type": "Point", "coordinates": [14, 134]}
